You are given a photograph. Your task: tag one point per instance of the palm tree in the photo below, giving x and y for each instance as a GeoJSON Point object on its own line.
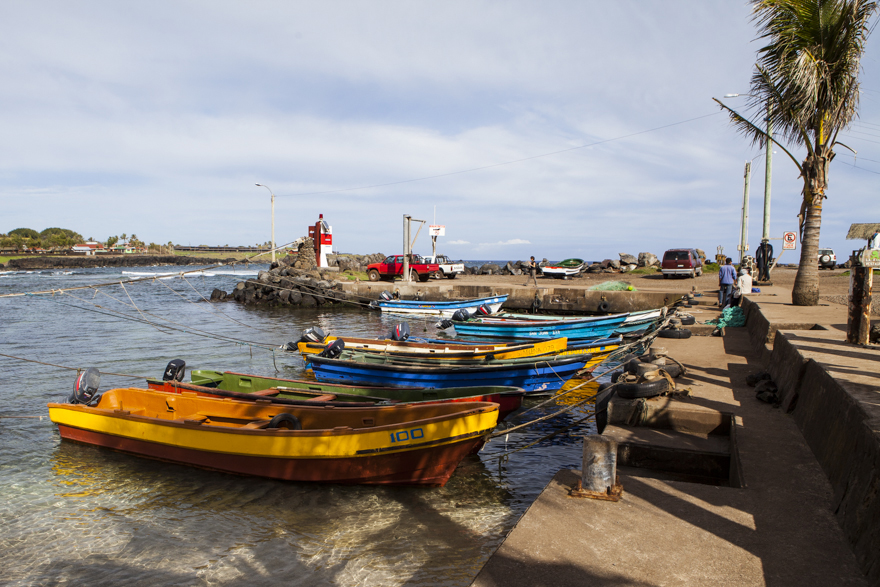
{"type": "Point", "coordinates": [806, 80]}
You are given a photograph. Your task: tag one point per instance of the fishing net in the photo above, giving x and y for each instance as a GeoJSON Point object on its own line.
{"type": "Point", "coordinates": [613, 286]}
{"type": "Point", "coordinates": [730, 316]}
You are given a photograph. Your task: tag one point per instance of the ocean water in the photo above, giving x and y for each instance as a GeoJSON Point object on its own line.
{"type": "Point", "coordinates": [80, 515]}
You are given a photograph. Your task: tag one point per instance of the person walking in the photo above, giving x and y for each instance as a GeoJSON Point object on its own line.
{"type": "Point", "coordinates": [726, 279]}
{"type": "Point", "coordinates": [533, 271]}
{"type": "Point", "coordinates": [742, 287]}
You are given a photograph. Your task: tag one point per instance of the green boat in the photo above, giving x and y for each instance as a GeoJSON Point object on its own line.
{"type": "Point", "coordinates": [243, 386]}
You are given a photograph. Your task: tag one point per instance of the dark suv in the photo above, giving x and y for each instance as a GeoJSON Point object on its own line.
{"type": "Point", "coordinates": [681, 262]}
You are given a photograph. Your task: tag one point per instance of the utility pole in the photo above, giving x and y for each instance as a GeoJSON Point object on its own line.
{"type": "Point", "coordinates": [765, 235]}
{"type": "Point", "coordinates": [744, 233]}
{"type": "Point", "coordinates": [406, 253]}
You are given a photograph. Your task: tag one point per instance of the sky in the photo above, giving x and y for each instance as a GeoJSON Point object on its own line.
{"type": "Point", "coordinates": [555, 128]}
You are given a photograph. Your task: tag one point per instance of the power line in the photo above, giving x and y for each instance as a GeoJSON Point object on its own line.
{"type": "Point", "coordinates": [366, 187]}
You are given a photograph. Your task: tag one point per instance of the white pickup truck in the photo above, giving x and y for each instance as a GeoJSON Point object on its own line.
{"type": "Point", "coordinates": [447, 267]}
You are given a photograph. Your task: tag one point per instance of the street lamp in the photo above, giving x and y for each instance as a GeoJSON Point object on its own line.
{"type": "Point", "coordinates": [273, 217]}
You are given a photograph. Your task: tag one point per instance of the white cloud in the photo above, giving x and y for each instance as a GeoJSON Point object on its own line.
{"type": "Point", "coordinates": [513, 241]}
{"type": "Point", "coordinates": [110, 128]}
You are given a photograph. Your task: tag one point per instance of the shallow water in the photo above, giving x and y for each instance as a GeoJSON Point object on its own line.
{"type": "Point", "coordinates": [73, 514]}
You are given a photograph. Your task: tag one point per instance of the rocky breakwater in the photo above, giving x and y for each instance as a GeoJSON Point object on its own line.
{"type": "Point", "coordinates": [625, 264]}
{"type": "Point", "coordinates": [37, 263]}
{"type": "Point", "coordinates": [293, 281]}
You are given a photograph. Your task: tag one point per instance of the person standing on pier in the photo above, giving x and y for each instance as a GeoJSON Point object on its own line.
{"type": "Point", "coordinates": [533, 271]}
{"type": "Point", "coordinates": [726, 279]}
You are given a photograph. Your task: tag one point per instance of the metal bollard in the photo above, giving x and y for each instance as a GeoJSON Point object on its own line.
{"type": "Point", "coordinates": [599, 470]}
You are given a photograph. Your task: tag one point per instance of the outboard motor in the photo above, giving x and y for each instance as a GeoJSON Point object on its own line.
{"type": "Point", "coordinates": [385, 295]}
{"type": "Point", "coordinates": [333, 350]}
{"type": "Point", "coordinates": [461, 315]}
{"type": "Point", "coordinates": [313, 334]}
{"type": "Point", "coordinates": [85, 390]}
{"type": "Point", "coordinates": [444, 324]}
{"type": "Point", "coordinates": [483, 310]}
{"type": "Point", "coordinates": [175, 370]}
{"type": "Point", "coordinates": [400, 332]}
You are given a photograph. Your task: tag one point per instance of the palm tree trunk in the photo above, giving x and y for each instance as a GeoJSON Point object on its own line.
{"type": "Point", "coordinates": [806, 282]}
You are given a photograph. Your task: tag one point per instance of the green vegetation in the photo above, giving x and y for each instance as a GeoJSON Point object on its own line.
{"type": "Point", "coordinates": [645, 270]}
{"type": "Point", "coordinates": [711, 268]}
{"type": "Point", "coordinates": [4, 260]}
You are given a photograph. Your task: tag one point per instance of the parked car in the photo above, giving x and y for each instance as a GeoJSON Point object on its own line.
{"type": "Point", "coordinates": [448, 268]}
{"type": "Point", "coordinates": [685, 262]}
{"type": "Point", "coordinates": [392, 267]}
{"type": "Point", "coordinates": [827, 259]}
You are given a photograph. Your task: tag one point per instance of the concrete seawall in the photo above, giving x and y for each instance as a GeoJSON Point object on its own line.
{"type": "Point", "coordinates": [830, 389]}
{"type": "Point", "coordinates": [576, 300]}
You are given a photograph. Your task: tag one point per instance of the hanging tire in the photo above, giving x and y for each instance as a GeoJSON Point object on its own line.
{"type": "Point", "coordinates": [674, 333]}
{"type": "Point", "coordinates": [284, 420]}
{"type": "Point", "coordinates": [604, 307]}
{"type": "Point", "coordinates": [374, 275]}
{"type": "Point", "coordinates": [688, 320]}
{"type": "Point", "coordinates": [644, 389]}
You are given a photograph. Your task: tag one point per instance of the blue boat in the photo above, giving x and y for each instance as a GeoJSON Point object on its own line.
{"type": "Point", "coordinates": [440, 309]}
{"type": "Point", "coordinates": [594, 327]}
{"type": "Point", "coordinates": [533, 377]}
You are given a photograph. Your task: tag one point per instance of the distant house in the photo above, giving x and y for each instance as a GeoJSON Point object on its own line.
{"type": "Point", "coordinates": [89, 248]}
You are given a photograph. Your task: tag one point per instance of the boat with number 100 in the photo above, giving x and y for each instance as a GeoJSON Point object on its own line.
{"type": "Point", "coordinates": [398, 444]}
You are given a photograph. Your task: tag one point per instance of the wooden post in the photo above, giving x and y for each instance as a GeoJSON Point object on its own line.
{"type": "Point", "coordinates": [599, 472]}
{"type": "Point", "coordinates": [858, 321]}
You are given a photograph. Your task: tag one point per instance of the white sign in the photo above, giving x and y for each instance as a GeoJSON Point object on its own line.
{"type": "Point", "coordinates": [789, 240]}
{"type": "Point", "coordinates": [437, 230]}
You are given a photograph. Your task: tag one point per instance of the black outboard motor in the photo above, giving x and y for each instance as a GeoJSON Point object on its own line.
{"type": "Point", "coordinates": [175, 370]}
{"type": "Point", "coordinates": [444, 324]}
{"type": "Point", "coordinates": [461, 315]}
{"type": "Point", "coordinates": [85, 389]}
{"type": "Point", "coordinates": [333, 350]}
{"type": "Point", "coordinates": [483, 310]}
{"type": "Point", "coordinates": [400, 332]}
{"type": "Point", "coordinates": [386, 296]}
{"type": "Point", "coordinates": [313, 334]}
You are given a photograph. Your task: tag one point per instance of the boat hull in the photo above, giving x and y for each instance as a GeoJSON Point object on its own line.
{"type": "Point", "coordinates": [440, 309]}
{"type": "Point", "coordinates": [599, 327]}
{"type": "Point", "coordinates": [538, 377]}
{"type": "Point", "coordinates": [447, 350]}
{"type": "Point", "coordinates": [387, 445]}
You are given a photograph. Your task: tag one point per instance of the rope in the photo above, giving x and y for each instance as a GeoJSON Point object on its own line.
{"type": "Point", "coordinates": [71, 368]}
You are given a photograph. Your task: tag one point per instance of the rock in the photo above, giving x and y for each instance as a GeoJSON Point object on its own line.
{"type": "Point", "coordinates": [295, 297]}
{"type": "Point", "coordinates": [490, 269]}
{"type": "Point", "coordinates": [874, 335]}
{"type": "Point", "coordinates": [605, 264]}
{"type": "Point", "coordinates": [218, 295]}
{"type": "Point", "coordinates": [752, 379]}
{"type": "Point", "coordinates": [648, 260]}
{"type": "Point", "coordinates": [627, 259]}
{"type": "Point", "coordinates": [766, 391]}
{"type": "Point", "coordinates": [263, 276]}
{"type": "Point", "coordinates": [615, 264]}
{"type": "Point", "coordinates": [284, 296]}
{"type": "Point", "coordinates": [309, 302]}
{"type": "Point", "coordinates": [594, 268]}
{"type": "Point", "coordinates": [240, 285]}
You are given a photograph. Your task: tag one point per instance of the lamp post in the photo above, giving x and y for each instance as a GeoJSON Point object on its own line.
{"type": "Point", "coordinates": [273, 217]}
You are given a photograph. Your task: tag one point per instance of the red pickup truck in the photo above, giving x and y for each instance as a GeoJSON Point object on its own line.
{"type": "Point", "coordinates": [392, 267]}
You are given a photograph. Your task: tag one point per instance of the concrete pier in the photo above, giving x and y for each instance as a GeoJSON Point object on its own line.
{"type": "Point", "coordinates": [808, 508]}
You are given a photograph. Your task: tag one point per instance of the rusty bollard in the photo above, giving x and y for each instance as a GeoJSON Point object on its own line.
{"type": "Point", "coordinates": [599, 471]}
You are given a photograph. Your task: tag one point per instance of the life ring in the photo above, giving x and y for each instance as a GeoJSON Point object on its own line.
{"type": "Point", "coordinates": [285, 420]}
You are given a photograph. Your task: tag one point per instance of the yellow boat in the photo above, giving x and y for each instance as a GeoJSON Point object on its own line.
{"type": "Point", "coordinates": [446, 351]}
{"type": "Point", "coordinates": [398, 444]}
